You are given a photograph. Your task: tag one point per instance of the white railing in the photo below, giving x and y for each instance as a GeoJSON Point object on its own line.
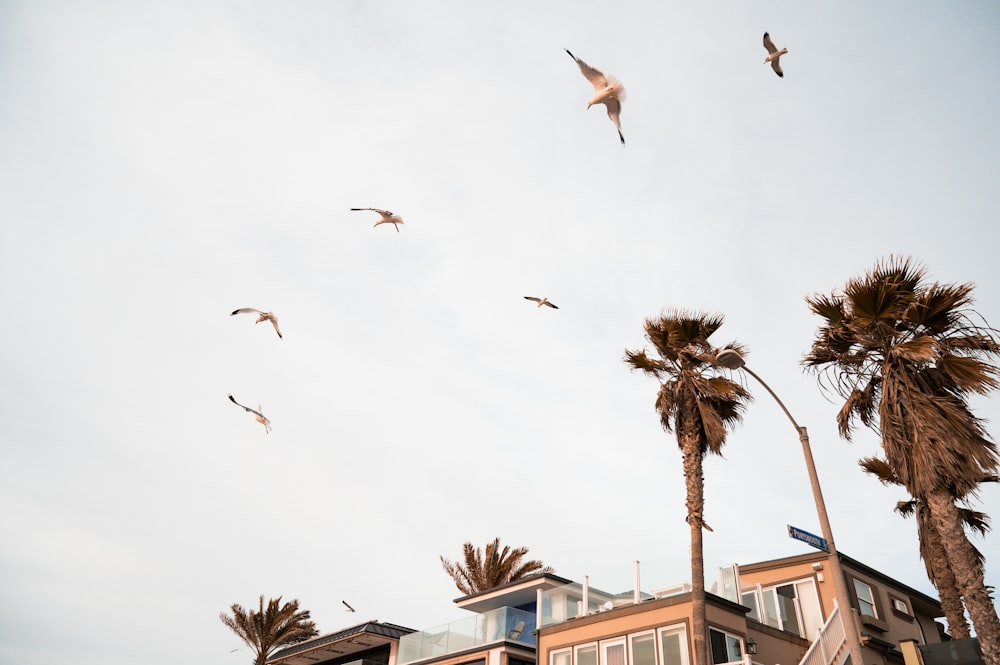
{"type": "Point", "coordinates": [828, 648]}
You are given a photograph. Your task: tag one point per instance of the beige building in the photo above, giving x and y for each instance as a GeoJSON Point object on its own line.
{"type": "Point", "coordinates": [778, 612]}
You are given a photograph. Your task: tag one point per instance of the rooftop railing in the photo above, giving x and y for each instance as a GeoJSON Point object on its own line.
{"type": "Point", "coordinates": [503, 624]}
{"type": "Point", "coordinates": [616, 588]}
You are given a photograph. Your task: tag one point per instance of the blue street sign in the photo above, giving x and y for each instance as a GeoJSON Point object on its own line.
{"type": "Point", "coordinates": [808, 538]}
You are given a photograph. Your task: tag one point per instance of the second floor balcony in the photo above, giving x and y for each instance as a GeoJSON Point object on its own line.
{"type": "Point", "coordinates": [499, 625]}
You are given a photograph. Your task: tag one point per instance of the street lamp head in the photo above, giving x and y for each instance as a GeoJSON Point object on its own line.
{"type": "Point", "coordinates": [730, 359]}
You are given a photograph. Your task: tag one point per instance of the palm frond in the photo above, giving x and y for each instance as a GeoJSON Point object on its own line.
{"type": "Point", "coordinates": [490, 567]}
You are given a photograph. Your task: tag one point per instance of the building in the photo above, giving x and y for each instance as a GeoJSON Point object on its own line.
{"type": "Point", "coordinates": [777, 612]}
{"type": "Point", "coordinates": [368, 643]}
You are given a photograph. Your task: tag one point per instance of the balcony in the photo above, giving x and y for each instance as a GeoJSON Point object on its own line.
{"type": "Point", "coordinates": [575, 600]}
{"type": "Point", "coordinates": [500, 625]}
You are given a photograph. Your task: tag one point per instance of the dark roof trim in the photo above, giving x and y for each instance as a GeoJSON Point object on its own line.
{"type": "Point", "coordinates": [517, 582]}
{"type": "Point", "coordinates": [389, 630]}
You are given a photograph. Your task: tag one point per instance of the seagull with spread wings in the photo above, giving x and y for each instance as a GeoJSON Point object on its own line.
{"type": "Point", "coordinates": [773, 55]}
{"type": "Point", "coordinates": [385, 217]}
{"type": "Point", "coordinates": [261, 316]}
{"type": "Point", "coordinates": [258, 416]}
{"type": "Point", "coordinates": [607, 90]}
{"type": "Point", "coordinates": [541, 301]}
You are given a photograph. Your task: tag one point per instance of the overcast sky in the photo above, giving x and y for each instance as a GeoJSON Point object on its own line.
{"type": "Point", "coordinates": [163, 163]}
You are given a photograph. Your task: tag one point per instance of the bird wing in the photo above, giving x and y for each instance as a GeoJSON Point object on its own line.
{"type": "Point", "coordinates": [384, 213]}
{"type": "Point", "coordinates": [274, 322]}
{"type": "Point", "coordinates": [245, 310]}
{"type": "Point", "coordinates": [768, 44]}
{"type": "Point", "coordinates": [614, 112]}
{"type": "Point", "coordinates": [551, 305]}
{"type": "Point", "coordinates": [595, 76]}
{"type": "Point", "coordinates": [349, 608]}
{"type": "Point", "coordinates": [533, 298]}
{"type": "Point", "coordinates": [246, 408]}
{"type": "Point", "coordinates": [777, 68]}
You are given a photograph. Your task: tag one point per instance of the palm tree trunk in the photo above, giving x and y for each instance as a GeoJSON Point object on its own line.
{"type": "Point", "coordinates": [695, 484]}
{"type": "Point", "coordinates": [942, 576]}
{"type": "Point", "coordinates": [968, 573]}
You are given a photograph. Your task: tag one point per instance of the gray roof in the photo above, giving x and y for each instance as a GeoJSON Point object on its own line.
{"type": "Point", "coordinates": [385, 630]}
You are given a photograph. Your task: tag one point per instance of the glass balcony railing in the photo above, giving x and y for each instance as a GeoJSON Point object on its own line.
{"type": "Point", "coordinates": [615, 588]}
{"type": "Point", "coordinates": [505, 623]}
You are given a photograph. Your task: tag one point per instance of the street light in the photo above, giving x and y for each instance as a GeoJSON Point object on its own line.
{"type": "Point", "coordinates": [731, 359]}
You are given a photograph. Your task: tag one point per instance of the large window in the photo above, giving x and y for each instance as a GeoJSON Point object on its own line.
{"type": "Point", "coordinates": [673, 645]}
{"type": "Point", "coordinates": [726, 647]}
{"type": "Point", "coordinates": [561, 657]}
{"type": "Point", "coordinates": [642, 649]}
{"type": "Point", "coordinates": [792, 607]}
{"type": "Point", "coordinates": [586, 654]}
{"type": "Point", "coordinates": [866, 599]}
{"type": "Point", "coordinates": [613, 652]}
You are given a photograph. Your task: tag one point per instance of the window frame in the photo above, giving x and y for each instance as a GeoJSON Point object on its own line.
{"type": "Point", "coordinates": [871, 600]}
{"type": "Point", "coordinates": [765, 600]}
{"type": "Point", "coordinates": [680, 629]}
{"type": "Point", "coordinates": [630, 654]}
{"type": "Point", "coordinates": [577, 648]}
{"type": "Point", "coordinates": [568, 651]}
{"type": "Point", "coordinates": [740, 642]}
{"type": "Point", "coordinates": [603, 645]}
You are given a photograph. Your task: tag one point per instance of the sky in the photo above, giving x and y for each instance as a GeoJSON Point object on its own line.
{"type": "Point", "coordinates": [164, 163]}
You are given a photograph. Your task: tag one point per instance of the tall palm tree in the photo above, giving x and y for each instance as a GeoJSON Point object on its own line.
{"type": "Point", "coordinates": [270, 628]}
{"type": "Point", "coordinates": [699, 406]}
{"type": "Point", "coordinates": [498, 566]}
{"type": "Point", "coordinates": [932, 550]}
{"type": "Point", "coordinates": [906, 355]}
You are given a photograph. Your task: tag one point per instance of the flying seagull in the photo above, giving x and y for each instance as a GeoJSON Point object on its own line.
{"type": "Point", "coordinates": [541, 301]}
{"type": "Point", "coordinates": [386, 217]}
{"type": "Point", "coordinates": [349, 608]}
{"type": "Point", "coordinates": [257, 414]}
{"type": "Point", "coordinates": [773, 55]}
{"type": "Point", "coordinates": [607, 90]}
{"type": "Point", "coordinates": [261, 316]}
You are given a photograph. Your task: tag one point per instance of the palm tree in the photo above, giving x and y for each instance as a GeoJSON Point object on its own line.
{"type": "Point", "coordinates": [270, 628]}
{"type": "Point", "coordinates": [498, 566]}
{"type": "Point", "coordinates": [699, 406]}
{"type": "Point", "coordinates": [932, 551]}
{"type": "Point", "coordinates": [906, 355]}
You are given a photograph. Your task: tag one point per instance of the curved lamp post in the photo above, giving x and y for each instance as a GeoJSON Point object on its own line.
{"type": "Point", "coordinates": [731, 359]}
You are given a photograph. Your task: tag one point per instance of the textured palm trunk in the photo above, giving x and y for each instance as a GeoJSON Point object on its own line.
{"type": "Point", "coordinates": [695, 486]}
{"type": "Point", "coordinates": [968, 573]}
{"type": "Point", "coordinates": [941, 575]}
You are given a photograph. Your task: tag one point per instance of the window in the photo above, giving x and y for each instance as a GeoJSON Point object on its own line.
{"type": "Point", "coordinates": [749, 599]}
{"type": "Point", "coordinates": [787, 608]}
{"type": "Point", "coordinates": [673, 645]}
{"type": "Point", "coordinates": [866, 599]}
{"type": "Point", "coordinates": [726, 647]}
{"type": "Point", "coordinates": [613, 652]}
{"type": "Point", "coordinates": [793, 607]}
{"type": "Point", "coordinates": [586, 654]}
{"type": "Point", "coordinates": [900, 606]}
{"type": "Point", "coordinates": [643, 649]}
{"type": "Point", "coordinates": [561, 657]}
